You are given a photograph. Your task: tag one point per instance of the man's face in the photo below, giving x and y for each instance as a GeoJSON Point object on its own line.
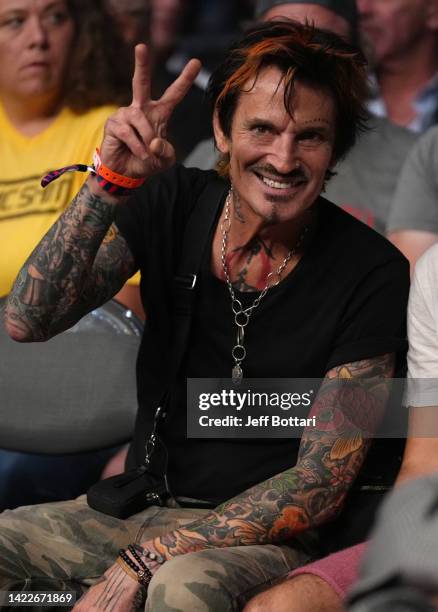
{"type": "Point", "coordinates": [320, 16]}
{"type": "Point", "coordinates": [35, 41]}
{"type": "Point", "coordinates": [393, 27]}
{"type": "Point", "coordinates": [279, 162]}
{"type": "Point", "coordinates": [132, 18]}
{"type": "Point", "coordinates": [166, 20]}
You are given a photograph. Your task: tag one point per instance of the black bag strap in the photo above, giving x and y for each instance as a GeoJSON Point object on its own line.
{"type": "Point", "coordinates": [196, 236]}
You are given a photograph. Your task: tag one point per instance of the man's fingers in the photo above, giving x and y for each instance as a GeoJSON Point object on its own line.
{"type": "Point", "coordinates": [141, 81]}
{"type": "Point", "coordinates": [138, 120]}
{"type": "Point", "coordinates": [176, 92]}
{"type": "Point", "coordinates": [125, 133]}
{"type": "Point", "coordinates": [164, 151]}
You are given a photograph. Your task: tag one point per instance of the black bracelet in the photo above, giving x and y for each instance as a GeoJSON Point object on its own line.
{"type": "Point", "coordinates": [137, 557]}
{"type": "Point", "coordinates": [144, 575]}
{"type": "Point", "coordinates": [127, 559]}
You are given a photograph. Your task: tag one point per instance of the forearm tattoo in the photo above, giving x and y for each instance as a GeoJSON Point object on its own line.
{"type": "Point", "coordinates": [312, 492]}
{"type": "Point", "coordinates": [63, 279]}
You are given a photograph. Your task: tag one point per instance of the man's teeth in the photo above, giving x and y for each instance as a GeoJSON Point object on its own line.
{"type": "Point", "coordinates": [277, 184]}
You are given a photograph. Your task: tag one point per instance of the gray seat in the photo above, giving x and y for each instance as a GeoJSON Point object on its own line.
{"type": "Point", "coordinates": [74, 393]}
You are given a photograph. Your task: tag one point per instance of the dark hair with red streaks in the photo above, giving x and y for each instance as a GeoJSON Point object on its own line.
{"type": "Point", "coordinates": [303, 54]}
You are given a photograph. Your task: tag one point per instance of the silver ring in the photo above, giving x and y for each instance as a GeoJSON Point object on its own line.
{"type": "Point", "coordinates": [237, 358]}
{"type": "Point", "coordinates": [241, 323]}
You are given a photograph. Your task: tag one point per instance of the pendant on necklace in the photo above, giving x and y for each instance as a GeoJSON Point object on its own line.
{"type": "Point", "coordinates": [237, 375]}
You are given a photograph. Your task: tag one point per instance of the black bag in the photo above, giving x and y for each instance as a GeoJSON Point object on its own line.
{"type": "Point", "coordinates": [128, 493]}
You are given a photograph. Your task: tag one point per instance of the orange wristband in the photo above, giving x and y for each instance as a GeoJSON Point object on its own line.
{"type": "Point", "coordinates": [116, 184]}
{"type": "Point", "coordinates": [114, 178]}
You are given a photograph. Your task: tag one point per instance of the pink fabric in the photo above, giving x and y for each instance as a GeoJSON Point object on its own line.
{"type": "Point", "coordinates": [340, 570]}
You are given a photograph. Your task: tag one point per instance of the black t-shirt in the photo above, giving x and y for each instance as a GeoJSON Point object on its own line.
{"type": "Point", "coordinates": [344, 301]}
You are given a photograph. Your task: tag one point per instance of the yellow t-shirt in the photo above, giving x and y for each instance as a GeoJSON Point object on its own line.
{"type": "Point", "coordinates": [26, 209]}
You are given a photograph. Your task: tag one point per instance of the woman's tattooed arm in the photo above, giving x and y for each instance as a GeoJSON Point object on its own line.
{"type": "Point", "coordinates": [312, 492]}
{"type": "Point", "coordinates": [80, 263]}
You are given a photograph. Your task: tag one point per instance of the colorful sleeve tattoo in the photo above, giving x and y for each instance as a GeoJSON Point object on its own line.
{"type": "Point", "coordinates": [313, 491]}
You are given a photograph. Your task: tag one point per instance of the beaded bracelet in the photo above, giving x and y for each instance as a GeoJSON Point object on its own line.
{"type": "Point", "coordinates": [135, 549]}
{"type": "Point", "coordinates": [144, 575]}
{"type": "Point", "coordinates": [112, 182]}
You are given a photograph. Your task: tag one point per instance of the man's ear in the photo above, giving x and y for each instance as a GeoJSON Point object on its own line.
{"type": "Point", "coordinates": [222, 142]}
{"type": "Point", "coordinates": [432, 15]}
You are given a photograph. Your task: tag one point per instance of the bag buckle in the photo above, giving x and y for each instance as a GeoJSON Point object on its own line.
{"type": "Point", "coordinates": [186, 281]}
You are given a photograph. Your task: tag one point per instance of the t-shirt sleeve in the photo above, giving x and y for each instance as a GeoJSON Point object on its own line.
{"type": "Point", "coordinates": [130, 220]}
{"type": "Point", "coordinates": [415, 203]}
{"type": "Point", "coordinates": [159, 207]}
{"type": "Point", "coordinates": [374, 320]}
{"type": "Point", "coordinates": [423, 333]}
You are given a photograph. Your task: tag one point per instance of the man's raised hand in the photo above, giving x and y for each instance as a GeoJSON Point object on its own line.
{"type": "Point", "coordinates": [134, 141]}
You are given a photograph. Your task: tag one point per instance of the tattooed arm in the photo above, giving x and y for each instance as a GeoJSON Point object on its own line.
{"type": "Point", "coordinates": [81, 263]}
{"type": "Point", "coordinates": [312, 492]}
{"type": "Point", "coordinates": [305, 496]}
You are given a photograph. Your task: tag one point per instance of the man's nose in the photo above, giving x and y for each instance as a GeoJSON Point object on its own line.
{"type": "Point", "coordinates": [37, 35]}
{"type": "Point", "coordinates": [285, 154]}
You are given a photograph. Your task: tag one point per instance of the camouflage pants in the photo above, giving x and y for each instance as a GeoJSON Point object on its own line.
{"type": "Point", "coordinates": [67, 546]}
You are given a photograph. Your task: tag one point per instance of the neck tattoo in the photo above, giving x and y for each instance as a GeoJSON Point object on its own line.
{"type": "Point", "coordinates": [241, 314]}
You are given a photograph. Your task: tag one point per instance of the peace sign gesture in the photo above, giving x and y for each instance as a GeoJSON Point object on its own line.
{"type": "Point", "coordinates": [134, 142]}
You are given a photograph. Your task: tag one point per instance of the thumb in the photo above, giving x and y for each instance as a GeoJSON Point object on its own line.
{"type": "Point", "coordinates": [164, 151]}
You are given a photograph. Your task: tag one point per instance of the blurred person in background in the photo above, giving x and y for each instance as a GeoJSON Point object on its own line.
{"type": "Point", "coordinates": [338, 17]}
{"type": "Point", "coordinates": [366, 179]}
{"type": "Point", "coordinates": [399, 568]}
{"type": "Point", "coordinates": [161, 24]}
{"type": "Point", "coordinates": [211, 27]}
{"type": "Point", "coordinates": [413, 220]}
{"type": "Point", "coordinates": [47, 121]}
{"type": "Point", "coordinates": [167, 19]}
{"type": "Point", "coordinates": [191, 122]}
{"type": "Point", "coordinates": [132, 19]}
{"type": "Point", "coordinates": [403, 37]}
{"type": "Point", "coordinates": [41, 111]}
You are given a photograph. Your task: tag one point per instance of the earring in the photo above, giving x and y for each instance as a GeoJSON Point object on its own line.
{"type": "Point", "coordinates": [297, 164]}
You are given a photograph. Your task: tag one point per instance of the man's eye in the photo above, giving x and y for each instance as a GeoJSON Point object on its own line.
{"type": "Point", "coordinates": [261, 129]}
{"type": "Point", "coordinates": [311, 137]}
{"type": "Point", "coordinates": [14, 22]}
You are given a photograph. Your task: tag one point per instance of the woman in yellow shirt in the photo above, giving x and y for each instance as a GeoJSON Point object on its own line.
{"type": "Point", "coordinates": [61, 69]}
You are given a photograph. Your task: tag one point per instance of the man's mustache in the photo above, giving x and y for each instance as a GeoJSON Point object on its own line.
{"type": "Point", "coordinates": [272, 173]}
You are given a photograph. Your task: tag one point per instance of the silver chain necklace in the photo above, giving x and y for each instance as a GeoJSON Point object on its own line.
{"type": "Point", "coordinates": [241, 314]}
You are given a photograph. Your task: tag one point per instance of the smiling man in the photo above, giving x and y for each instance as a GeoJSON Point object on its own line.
{"type": "Point", "coordinates": [289, 286]}
{"type": "Point", "coordinates": [279, 191]}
